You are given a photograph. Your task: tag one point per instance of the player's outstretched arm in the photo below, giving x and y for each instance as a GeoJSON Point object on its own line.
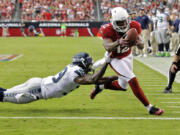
{"type": "Point", "coordinates": [107, 79]}
{"type": "Point", "coordinates": [100, 62]}
{"type": "Point", "coordinates": [92, 78]}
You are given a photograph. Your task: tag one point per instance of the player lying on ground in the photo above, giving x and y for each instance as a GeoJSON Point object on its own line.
{"type": "Point", "coordinates": [118, 37]}
{"type": "Point", "coordinates": [59, 85]}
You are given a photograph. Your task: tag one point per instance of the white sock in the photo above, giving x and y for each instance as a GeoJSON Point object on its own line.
{"type": "Point", "coordinates": [101, 86]}
{"type": "Point", "coordinates": [149, 107]}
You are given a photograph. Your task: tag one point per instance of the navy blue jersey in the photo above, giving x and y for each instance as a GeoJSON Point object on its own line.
{"type": "Point", "coordinates": [137, 19]}
{"type": "Point", "coordinates": [176, 25]}
{"type": "Point", "coordinates": [144, 21]}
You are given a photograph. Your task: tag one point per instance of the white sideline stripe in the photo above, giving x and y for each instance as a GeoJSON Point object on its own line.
{"type": "Point", "coordinates": [124, 93]}
{"type": "Point", "coordinates": [143, 74]}
{"type": "Point", "coordinates": [151, 81]}
{"type": "Point", "coordinates": [173, 106]}
{"type": "Point", "coordinates": [146, 79]}
{"type": "Point", "coordinates": [171, 102]}
{"type": "Point", "coordinates": [168, 98]}
{"type": "Point", "coordinates": [97, 118]}
{"type": "Point", "coordinates": [153, 85]}
{"type": "Point", "coordinates": [155, 68]}
{"type": "Point", "coordinates": [141, 79]}
{"type": "Point", "coordinates": [176, 112]}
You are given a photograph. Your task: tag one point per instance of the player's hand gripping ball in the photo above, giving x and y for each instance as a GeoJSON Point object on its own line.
{"type": "Point", "coordinates": [132, 37]}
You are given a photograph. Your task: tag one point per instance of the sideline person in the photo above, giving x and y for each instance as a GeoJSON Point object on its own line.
{"type": "Point", "coordinates": [175, 67]}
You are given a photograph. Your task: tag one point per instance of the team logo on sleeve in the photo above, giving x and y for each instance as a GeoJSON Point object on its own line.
{"type": "Point", "coordinates": [9, 57]}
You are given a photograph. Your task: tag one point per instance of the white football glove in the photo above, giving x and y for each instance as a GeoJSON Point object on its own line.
{"type": "Point", "coordinates": [107, 57]}
{"type": "Point", "coordinates": [98, 63]}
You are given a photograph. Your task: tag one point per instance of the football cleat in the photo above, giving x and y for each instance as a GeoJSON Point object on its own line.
{"type": "Point", "coordinates": [167, 90]}
{"type": "Point", "coordinates": [156, 111]}
{"type": "Point", "coordinates": [167, 54]}
{"type": "Point", "coordinates": [95, 91]}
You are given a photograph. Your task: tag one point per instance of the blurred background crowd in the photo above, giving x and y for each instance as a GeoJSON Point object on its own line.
{"type": "Point", "coordinates": [146, 12]}
{"type": "Point", "coordinates": [74, 10]}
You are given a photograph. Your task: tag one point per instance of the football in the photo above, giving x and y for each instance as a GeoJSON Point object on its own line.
{"type": "Point", "coordinates": [132, 36]}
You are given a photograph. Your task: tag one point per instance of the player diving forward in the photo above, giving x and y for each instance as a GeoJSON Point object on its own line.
{"type": "Point", "coordinates": [121, 57]}
{"type": "Point", "coordinates": [59, 85]}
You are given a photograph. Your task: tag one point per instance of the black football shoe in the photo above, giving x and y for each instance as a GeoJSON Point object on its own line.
{"type": "Point", "coordinates": [167, 90]}
{"type": "Point", "coordinates": [156, 111]}
{"type": "Point", "coordinates": [95, 91]}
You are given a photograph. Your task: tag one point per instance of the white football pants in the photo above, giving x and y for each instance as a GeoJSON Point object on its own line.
{"type": "Point", "coordinates": [24, 93]}
{"type": "Point", "coordinates": [124, 68]}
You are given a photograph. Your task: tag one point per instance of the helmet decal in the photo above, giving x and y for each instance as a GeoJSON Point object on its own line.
{"type": "Point", "coordinates": [120, 19]}
{"type": "Point", "coordinates": [84, 60]}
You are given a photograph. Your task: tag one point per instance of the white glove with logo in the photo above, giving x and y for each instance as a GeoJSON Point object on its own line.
{"type": "Point", "coordinates": [107, 57]}
{"type": "Point", "coordinates": [100, 62]}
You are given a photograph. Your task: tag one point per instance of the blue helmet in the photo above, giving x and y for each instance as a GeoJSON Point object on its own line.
{"type": "Point", "coordinates": [84, 60]}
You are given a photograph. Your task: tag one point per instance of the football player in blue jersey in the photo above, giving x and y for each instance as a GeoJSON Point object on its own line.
{"type": "Point", "coordinates": [58, 85]}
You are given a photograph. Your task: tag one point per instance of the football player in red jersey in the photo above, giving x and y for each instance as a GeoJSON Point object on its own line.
{"type": "Point", "coordinates": [122, 58]}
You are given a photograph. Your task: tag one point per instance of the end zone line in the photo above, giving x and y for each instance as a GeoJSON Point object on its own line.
{"type": "Point", "coordinates": [173, 106]}
{"type": "Point", "coordinates": [167, 98]}
{"type": "Point", "coordinates": [176, 112]}
{"type": "Point", "coordinates": [97, 118]}
{"type": "Point", "coordinates": [170, 102]}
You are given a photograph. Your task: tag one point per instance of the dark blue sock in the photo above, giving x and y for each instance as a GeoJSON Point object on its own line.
{"type": "Point", "coordinates": [2, 94]}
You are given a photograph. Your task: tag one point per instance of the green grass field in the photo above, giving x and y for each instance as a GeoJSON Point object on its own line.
{"type": "Point", "coordinates": [111, 113]}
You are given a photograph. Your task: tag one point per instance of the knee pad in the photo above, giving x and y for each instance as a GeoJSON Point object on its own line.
{"type": "Point", "coordinates": [123, 83]}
